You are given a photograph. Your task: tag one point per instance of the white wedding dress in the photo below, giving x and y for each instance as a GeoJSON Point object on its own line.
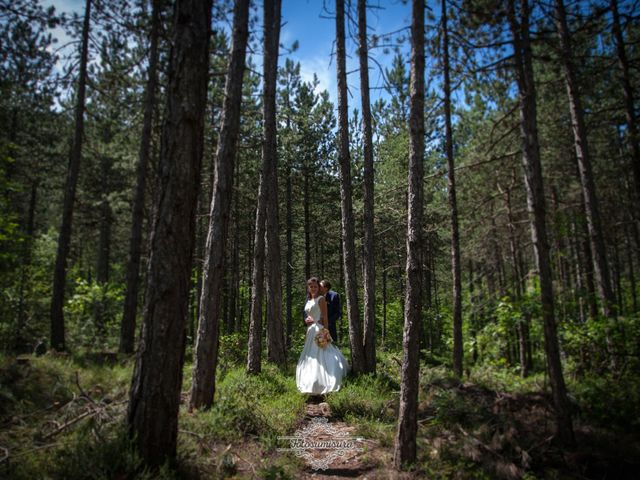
{"type": "Point", "coordinates": [319, 370]}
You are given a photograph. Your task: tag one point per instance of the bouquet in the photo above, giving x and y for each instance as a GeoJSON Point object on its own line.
{"type": "Point", "coordinates": [323, 337]}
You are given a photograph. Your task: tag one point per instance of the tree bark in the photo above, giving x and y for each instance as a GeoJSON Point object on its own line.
{"type": "Point", "coordinates": [157, 377]}
{"type": "Point", "coordinates": [594, 226]}
{"type": "Point", "coordinates": [632, 127]}
{"type": "Point", "coordinates": [289, 267]}
{"type": "Point", "coordinates": [104, 241]}
{"type": "Point", "coordinates": [128, 325]}
{"type": "Point", "coordinates": [307, 220]}
{"type": "Point", "coordinates": [267, 177]}
{"type": "Point", "coordinates": [27, 253]}
{"type": "Point", "coordinates": [453, 204]}
{"type": "Point", "coordinates": [64, 239]}
{"type": "Point", "coordinates": [206, 352]}
{"type": "Point", "coordinates": [405, 439]}
{"type": "Point", "coordinates": [348, 242]}
{"type": "Point", "coordinates": [368, 207]}
{"type": "Point", "coordinates": [275, 329]}
{"type": "Point", "coordinates": [536, 207]}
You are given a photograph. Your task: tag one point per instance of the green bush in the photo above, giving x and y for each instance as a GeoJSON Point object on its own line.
{"type": "Point", "coordinates": [366, 396]}
{"type": "Point", "coordinates": [263, 405]}
{"type": "Point", "coordinates": [609, 401]}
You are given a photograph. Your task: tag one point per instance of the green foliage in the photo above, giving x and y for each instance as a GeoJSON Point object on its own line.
{"type": "Point", "coordinates": [267, 404]}
{"type": "Point", "coordinates": [274, 472]}
{"type": "Point", "coordinates": [394, 324]}
{"type": "Point", "coordinates": [39, 392]}
{"type": "Point", "coordinates": [366, 396]}
{"type": "Point", "coordinates": [84, 457]}
{"type": "Point", "coordinates": [232, 351]}
{"type": "Point", "coordinates": [609, 401]}
{"type": "Point", "coordinates": [93, 313]}
{"type": "Point", "coordinates": [10, 236]}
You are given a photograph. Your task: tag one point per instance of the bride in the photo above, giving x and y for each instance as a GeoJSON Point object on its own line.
{"type": "Point", "coordinates": [321, 366]}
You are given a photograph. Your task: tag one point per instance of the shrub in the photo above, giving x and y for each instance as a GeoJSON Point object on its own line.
{"type": "Point", "coordinates": [367, 396]}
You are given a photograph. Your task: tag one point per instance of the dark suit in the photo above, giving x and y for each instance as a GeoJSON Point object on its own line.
{"type": "Point", "coordinates": [334, 312]}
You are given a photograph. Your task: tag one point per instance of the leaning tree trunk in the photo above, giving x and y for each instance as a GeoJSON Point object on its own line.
{"type": "Point", "coordinates": [348, 243]}
{"type": "Point", "coordinates": [453, 203]}
{"type": "Point", "coordinates": [266, 211]}
{"type": "Point", "coordinates": [369, 248]}
{"type": "Point", "coordinates": [536, 206]}
{"type": "Point", "coordinates": [157, 377]}
{"type": "Point", "coordinates": [275, 329]}
{"type": "Point", "coordinates": [632, 127]}
{"type": "Point", "coordinates": [405, 440]}
{"type": "Point", "coordinates": [594, 225]}
{"type": "Point", "coordinates": [206, 355]}
{"type": "Point", "coordinates": [128, 325]}
{"type": "Point", "coordinates": [64, 240]}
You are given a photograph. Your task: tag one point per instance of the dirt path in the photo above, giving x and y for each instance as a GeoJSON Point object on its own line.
{"type": "Point", "coordinates": [360, 457]}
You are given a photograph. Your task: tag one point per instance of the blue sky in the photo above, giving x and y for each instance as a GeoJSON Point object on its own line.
{"type": "Point", "coordinates": [302, 21]}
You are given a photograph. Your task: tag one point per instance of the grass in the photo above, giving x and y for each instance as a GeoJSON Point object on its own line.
{"type": "Point", "coordinates": [266, 404]}
{"type": "Point", "coordinates": [478, 428]}
{"type": "Point", "coordinates": [249, 410]}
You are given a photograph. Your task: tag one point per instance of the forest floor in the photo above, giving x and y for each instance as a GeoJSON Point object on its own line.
{"type": "Point", "coordinates": [360, 457]}
{"type": "Point", "coordinates": [62, 418]}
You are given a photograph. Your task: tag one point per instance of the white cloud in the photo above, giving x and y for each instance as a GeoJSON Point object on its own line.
{"type": "Point", "coordinates": [324, 69]}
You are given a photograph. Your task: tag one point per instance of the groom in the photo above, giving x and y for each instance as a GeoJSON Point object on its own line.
{"type": "Point", "coordinates": [334, 310]}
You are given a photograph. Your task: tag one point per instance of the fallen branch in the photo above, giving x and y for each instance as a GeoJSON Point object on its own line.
{"type": "Point", "coordinates": [97, 409]}
{"type": "Point", "coordinates": [66, 425]}
{"type": "Point", "coordinates": [250, 464]}
{"type": "Point", "coordinates": [197, 435]}
{"type": "Point", "coordinates": [82, 392]}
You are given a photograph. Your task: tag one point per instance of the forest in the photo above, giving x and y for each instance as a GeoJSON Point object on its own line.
{"type": "Point", "coordinates": [170, 178]}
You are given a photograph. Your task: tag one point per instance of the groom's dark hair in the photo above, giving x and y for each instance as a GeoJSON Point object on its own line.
{"type": "Point", "coordinates": [326, 284]}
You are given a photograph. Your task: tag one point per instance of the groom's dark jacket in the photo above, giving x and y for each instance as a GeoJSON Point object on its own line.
{"type": "Point", "coordinates": [334, 312]}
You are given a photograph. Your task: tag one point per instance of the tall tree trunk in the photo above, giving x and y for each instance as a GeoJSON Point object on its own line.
{"type": "Point", "coordinates": [206, 355]}
{"type": "Point", "coordinates": [580, 289]}
{"type": "Point", "coordinates": [536, 206]}
{"type": "Point", "coordinates": [514, 247]}
{"type": "Point", "coordinates": [594, 226]}
{"type": "Point", "coordinates": [631, 272]}
{"type": "Point", "coordinates": [27, 251]}
{"type": "Point", "coordinates": [240, 300]}
{"type": "Point", "coordinates": [348, 242]}
{"type": "Point", "coordinates": [384, 300]}
{"type": "Point", "coordinates": [453, 204]}
{"type": "Point", "coordinates": [128, 325]}
{"type": "Point", "coordinates": [235, 265]}
{"type": "Point", "coordinates": [104, 242]}
{"type": "Point", "coordinates": [307, 220]}
{"type": "Point", "coordinates": [588, 264]}
{"type": "Point", "coordinates": [405, 440]}
{"type": "Point", "coordinates": [275, 331]}
{"type": "Point", "coordinates": [628, 97]}
{"type": "Point", "coordinates": [262, 211]}
{"type": "Point", "coordinates": [157, 377]}
{"type": "Point", "coordinates": [368, 244]}
{"type": "Point", "coordinates": [473, 320]}
{"type": "Point", "coordinates": [289, 276]}
{"type": "Point", "coordinates": [64, 239]}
